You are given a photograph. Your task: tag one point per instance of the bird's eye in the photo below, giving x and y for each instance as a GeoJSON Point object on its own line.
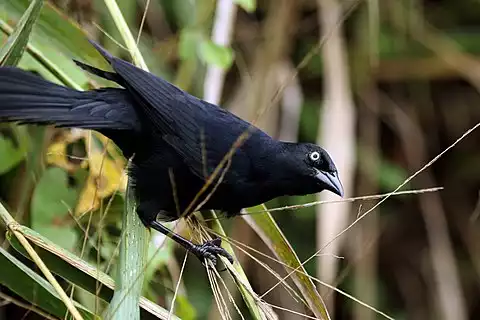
{"type": "Point", "coordinates": [314, 156]}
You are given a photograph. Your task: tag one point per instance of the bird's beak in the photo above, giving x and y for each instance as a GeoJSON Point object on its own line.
{"type": "Point", "coordinates": [331, 180]}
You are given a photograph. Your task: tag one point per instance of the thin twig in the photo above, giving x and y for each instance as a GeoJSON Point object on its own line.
{"type": "Point", "coordinates": [177, 286]}
{"type": "Point", "coordinates": [348, 200]}
{"type": "Point", "coordinates": [239, 246]}
{"type": "Point", "coordinates": [144, 16]}
{"type": "Point", "coordinates": [230, 297]}
{"type": "Point", "coordinates": [353, 199]}
{"type": "Point", "coordinates": [28, 307]}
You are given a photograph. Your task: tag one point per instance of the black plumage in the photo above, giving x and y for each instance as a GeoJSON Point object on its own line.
{"type": "Point", "coordinates": [176, 140]}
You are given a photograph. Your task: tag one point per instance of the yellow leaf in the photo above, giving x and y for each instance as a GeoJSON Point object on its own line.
{"type": "Point", "coordinates": [112, 151]}
{"type": "Point", "coordinates": [57, 153]}
{"type": "Point", "coordinates": [88, 198]}
{"type": "Point", "coordinates": [106, 174]}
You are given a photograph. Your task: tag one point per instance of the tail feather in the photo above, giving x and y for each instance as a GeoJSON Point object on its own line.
{"type": "Point", "coordinates": [112, 76]}
{"type": "Point", "coordinates": [28, 98]}
{"type": "Point", "coordinates": [107, 55]}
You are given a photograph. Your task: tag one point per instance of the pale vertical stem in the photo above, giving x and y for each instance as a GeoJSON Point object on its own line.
{"type": "Point", "coordinates": [224, 22]}
{"type": "Point", "coordinates": [292, 101]}
{"type": "Point", "coordinates": [337, 133]}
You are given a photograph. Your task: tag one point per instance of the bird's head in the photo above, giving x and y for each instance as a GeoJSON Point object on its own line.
{"type": "Point", "coordinates": [316, 167]}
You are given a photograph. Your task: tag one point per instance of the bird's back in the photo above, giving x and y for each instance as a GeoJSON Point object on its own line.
{"type": "Point", "coordinates": [200, 132]}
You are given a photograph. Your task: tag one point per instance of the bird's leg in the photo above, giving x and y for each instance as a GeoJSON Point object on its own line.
{"type": "Point", "coordinates": [208, 250]}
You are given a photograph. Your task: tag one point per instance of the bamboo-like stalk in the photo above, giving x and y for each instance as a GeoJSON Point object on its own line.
{"type": "Point", "coordinates": [126, 34]}
{"type": "Point", "coordinates": [12, 225]}
{"type": "Point", "coordinates": [337, 124]}
{"type": "Point", "coordinates": [224, 22]}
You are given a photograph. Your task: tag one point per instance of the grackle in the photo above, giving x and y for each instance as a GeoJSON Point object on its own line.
{"type": "Point", "coordinates": [177, 141]}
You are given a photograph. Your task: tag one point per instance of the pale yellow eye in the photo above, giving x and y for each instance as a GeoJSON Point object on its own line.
{"type": "Point", "coordinates": [314, 156]}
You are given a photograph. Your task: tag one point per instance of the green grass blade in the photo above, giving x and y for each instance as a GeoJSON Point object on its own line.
{"type": "Point", "coordinates": [11, 53]}
{"type": "Point", "coordinates": [132, 262]}
{"type": "Point", "coordinates": [50, 49]}
{"type": "Point", "coordinates": [268, 230]}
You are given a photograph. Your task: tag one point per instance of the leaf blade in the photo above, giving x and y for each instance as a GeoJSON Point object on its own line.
{"type": "Point", "coordinates": [30, 286]}
{"type": "Point", "coordinates": [215, 54]}
{"type": "Point", "coordinates": [11, 53]}
{"type": "Point", "coordinates": [267, 229]}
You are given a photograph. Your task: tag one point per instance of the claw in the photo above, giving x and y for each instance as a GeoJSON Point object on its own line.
{"type": "Point", "coordinates": [211, 250]}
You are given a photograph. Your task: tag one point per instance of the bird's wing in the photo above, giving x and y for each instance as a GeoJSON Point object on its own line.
{"type": "Point", "coordinates": [158, 100]}
{"type": "Point", "coordinates": [205, 135]}
{"type": "Point", "coordinates": [202, 133]}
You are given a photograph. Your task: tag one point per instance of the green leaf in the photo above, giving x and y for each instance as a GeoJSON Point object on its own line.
{"type": "Point", "coordinates": [188, 43]}
{"type": "Point", "coordinates": [216, 55]}
{"type": "Point", "coordinates": [10, 155]}
{"type": "Point", "coordinates": [54, 41]}
{"type": "Point", "coordinates": [11, 53]}
{"type": "Point", "coordinates": [184, 309]}
{"type": "Point", "coordinates": [268, 230]}
{"type": "Point", "coordinates": [388, 174]}
{"type": "Point", "coordinates": [52, 199]}
{"type": "Point", "coordinates": [391, 175]}
{"type": "Point", "coordinates": [247, 5]}
{"type": "Point", "coordinates": [33, 288]}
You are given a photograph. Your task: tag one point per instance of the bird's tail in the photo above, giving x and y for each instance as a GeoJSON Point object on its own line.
{"type": "Point", "coordinates": [28, 98]}
{"type": "Point", "coordinates": [107, 55]}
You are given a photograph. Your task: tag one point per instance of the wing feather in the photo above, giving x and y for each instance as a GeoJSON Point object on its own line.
{"type": "Point", "coordinates": [194, 128]}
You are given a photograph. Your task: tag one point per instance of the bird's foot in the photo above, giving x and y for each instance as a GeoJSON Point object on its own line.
{"type": "Point", "coordinates": [211, 250]}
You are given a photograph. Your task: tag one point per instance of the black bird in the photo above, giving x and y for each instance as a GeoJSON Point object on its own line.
{"type": "Point", "coordinates": [177, 141]}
